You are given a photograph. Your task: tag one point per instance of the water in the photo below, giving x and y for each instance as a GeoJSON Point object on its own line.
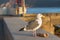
{"type": "Point", "coordinates": [12, 11]}
{"type": "Point", "coordinates": [44, 10]}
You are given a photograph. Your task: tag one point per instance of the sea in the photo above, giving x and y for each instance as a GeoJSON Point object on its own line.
{"type": "Point", "coordinates": [44, 10]}
{"type": "Point", "coordinates": [12, 11]}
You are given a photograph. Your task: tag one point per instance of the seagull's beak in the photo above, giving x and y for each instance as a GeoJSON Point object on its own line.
{"type": "Point", "coordinates": [43, 16]}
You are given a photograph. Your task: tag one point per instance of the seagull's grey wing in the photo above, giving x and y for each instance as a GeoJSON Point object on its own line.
{"type": "Point", "coordinates": [32, 25]}
{"type": "Point", "coordinates": [31, 21]}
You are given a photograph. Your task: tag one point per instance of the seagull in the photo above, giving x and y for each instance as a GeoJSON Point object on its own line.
{"type": "Point", "coordinates": [33, 26]}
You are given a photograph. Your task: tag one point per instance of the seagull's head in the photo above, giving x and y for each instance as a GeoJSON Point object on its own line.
{"type": "Point", "coordinates": [40, 15]}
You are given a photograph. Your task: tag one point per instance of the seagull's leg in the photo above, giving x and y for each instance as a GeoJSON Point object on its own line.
{"type": "Point", "coordinates": [34, 34]}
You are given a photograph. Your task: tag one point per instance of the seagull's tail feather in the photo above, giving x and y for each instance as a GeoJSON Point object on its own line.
{"type": "Point", "coordinates": [22, 29]}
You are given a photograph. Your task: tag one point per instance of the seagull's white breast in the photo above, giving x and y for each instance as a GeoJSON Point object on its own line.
{"type": "Point", "coordinates": [39, 22]}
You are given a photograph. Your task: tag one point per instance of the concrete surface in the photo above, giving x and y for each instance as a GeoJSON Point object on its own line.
{"type": "Point", "coordinates": [12, 26]}
{"type": "Point", "coordinates": [1, 29]}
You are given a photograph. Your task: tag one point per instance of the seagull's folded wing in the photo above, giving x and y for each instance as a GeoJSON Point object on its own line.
{"type": "Point", "coordinates": [32, 25]}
